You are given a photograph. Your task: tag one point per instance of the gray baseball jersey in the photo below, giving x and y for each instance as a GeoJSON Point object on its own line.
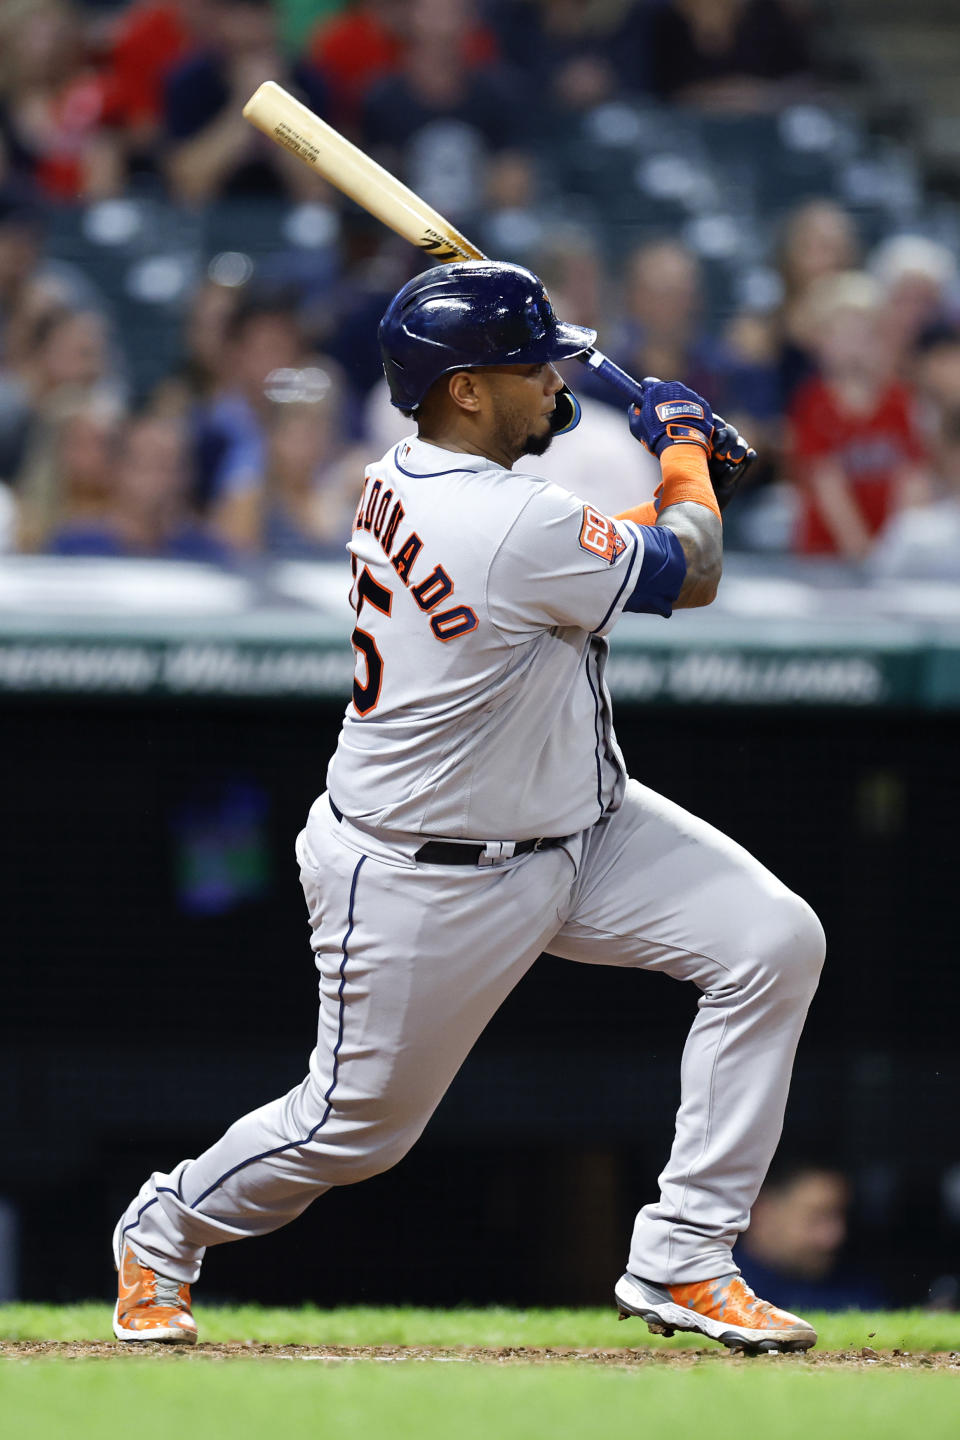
{"type": "Point", "coordinates": [483, 600]}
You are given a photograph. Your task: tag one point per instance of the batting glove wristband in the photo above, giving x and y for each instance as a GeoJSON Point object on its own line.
{"type": "Point", "coordinates": [671, 414]}
{"type": "Point", "coordinates": [730, 458]}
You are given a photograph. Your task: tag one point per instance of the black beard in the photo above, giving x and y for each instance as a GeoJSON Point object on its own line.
{"type": "Point", "coordinates": [537, 444]}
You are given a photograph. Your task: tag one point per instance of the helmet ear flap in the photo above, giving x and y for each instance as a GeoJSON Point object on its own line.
{"type": "Point", "coordinates": [566, 416]}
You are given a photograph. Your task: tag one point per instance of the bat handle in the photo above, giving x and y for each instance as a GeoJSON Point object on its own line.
{"type": "Point", "coordinates": [613, 375]}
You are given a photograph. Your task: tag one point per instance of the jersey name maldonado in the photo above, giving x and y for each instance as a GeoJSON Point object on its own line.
{"type": "Point", "coordinates": [381, 513]}
{"type": "Point", "coordinates": [482, 598]}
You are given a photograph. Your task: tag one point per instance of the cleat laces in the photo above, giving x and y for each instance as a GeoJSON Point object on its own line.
{"type": "Point", "coordinates": [167, 1292]}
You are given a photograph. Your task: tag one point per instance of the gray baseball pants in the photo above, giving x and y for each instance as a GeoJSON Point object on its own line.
{"type": "Point", "coordinates": [415, 959]}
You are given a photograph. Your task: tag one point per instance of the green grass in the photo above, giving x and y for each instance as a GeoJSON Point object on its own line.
{"type": "Point", "coordinates": [100, 1400]}
{"type": "Point", "coordinates": [912, 1330]}
{"type": "Point", "coordinates": [183, 1396]}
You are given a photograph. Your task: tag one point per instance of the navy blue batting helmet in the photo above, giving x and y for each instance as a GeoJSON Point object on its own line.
{"type": "Point", "coordinates": [474, 313]}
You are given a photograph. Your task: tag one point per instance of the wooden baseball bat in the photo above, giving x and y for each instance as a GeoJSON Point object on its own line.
{"type": "Point", "coordinates": [289, 123]}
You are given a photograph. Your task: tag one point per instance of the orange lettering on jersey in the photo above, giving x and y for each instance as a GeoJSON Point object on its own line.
{"type": "Point", "coordinates": [402, 562]}
{"type": "Point", "coordinates": [388, 536]}
{"type": "Point", "coordinates": [435, 588]}
{"type": "Point", "coordinates": [600, 536]}
{"type": "Point", "coordinates": [381, 511]}
{"type": "Point", "coordinates": [371, 503]}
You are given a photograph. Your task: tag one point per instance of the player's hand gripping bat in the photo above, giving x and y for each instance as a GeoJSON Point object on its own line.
{"type": "Point", "coordinates": [289, 123]}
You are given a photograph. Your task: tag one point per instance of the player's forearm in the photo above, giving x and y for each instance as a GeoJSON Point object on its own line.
{"type": "Point", "coordinates": [688, 508]}
{"type": "Point", "coordinates": [700, 533]}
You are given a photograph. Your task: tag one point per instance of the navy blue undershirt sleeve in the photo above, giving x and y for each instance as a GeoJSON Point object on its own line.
{"type": "Point", "coordinates": [662, 573]}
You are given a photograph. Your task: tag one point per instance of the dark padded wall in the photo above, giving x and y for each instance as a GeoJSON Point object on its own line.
{"type": "Point", "coordinates": [157, 981]}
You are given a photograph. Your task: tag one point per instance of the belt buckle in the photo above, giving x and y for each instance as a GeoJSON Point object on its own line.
{"type": "Point", "coordinates": [495, 852]}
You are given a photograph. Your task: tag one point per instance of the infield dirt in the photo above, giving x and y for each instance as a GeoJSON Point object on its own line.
{"type": "Point", "coordinates": [862, 1359]}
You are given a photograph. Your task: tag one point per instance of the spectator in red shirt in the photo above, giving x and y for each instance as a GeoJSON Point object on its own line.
{"type": "Point", "coordinates": [150, 38]}
{"type": "Point", "coordinates": [355, 49]}
{"type": "Point", "coordinates": [148, 41]}
{"type": "Point", "coordinates": [856, 449]}
{"type": "Point", "coordinates": [52, 104]}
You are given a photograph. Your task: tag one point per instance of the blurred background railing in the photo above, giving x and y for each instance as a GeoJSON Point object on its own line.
{"type": "Point", "coordinates": [759, 197]}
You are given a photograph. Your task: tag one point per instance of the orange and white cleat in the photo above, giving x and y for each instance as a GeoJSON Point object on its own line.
{"type": "Point", "coordinates": [723, 1309]}
{"type": "Point", "coordinates": [149, 1306]}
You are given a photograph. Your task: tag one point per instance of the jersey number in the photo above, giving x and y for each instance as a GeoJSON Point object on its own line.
{"type": "Point", "coordinates": [365, 696]}
{"type": "Point", "coordinates": [600, 536]}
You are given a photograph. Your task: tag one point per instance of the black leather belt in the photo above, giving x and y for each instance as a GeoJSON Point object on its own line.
{"type": "Point", "coordinates": [449, 852]}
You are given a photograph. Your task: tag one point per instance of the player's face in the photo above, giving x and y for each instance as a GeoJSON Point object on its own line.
{"type": "Point", "coordinates": [522, 400]}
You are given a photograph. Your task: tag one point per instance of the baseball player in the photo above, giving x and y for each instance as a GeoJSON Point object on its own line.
{"type": "Point", "coordinates": [478, 812]}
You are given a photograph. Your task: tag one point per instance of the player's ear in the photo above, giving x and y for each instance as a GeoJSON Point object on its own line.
{"type": "Point", "coordinates": [463, 389]}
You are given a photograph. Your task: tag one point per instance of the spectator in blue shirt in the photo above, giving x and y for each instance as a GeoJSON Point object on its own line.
{"type": "Point", "coordinates": [263, 339]}
{"type": "Point", "coordinates": [661, 330]}
{"type": "Point", "coordinates": [312, 479]}
{"type": "Point", "coordinates": [148, 514]}
{"type": "Point", "coordinates": [797, 1231]}
{"type": "Point", "coordinates": [69, 476]}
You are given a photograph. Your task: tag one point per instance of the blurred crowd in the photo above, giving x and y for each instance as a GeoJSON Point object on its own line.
{"type": "Point", "coordinates": [846, 377]}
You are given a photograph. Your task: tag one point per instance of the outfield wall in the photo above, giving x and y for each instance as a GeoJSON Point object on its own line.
{"type": "Point", "coordinates": [158, 981]}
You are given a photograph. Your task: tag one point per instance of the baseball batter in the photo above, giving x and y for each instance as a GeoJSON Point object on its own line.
{"type": "Point", "coordinates": [478, 812]}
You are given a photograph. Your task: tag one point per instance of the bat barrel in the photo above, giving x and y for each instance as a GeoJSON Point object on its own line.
{"type": "Point", "coordinates": [286, 121]}
{"type": "Point", "coordinates": [282, 117]}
